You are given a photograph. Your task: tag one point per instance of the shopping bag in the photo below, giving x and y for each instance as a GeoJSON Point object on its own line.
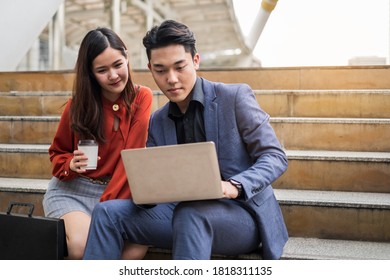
{"type": "Point", "coordinates": [28, 237]}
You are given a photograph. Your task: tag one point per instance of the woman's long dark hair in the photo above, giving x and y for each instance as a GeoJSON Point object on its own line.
{"type": "Point", "coordinates": [86, 111]}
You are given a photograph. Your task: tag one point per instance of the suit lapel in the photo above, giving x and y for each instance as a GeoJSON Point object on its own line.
{"type": "Point", "coordinates": [169, 130]}
{"type": "Point", "coordinates": [210, 113]}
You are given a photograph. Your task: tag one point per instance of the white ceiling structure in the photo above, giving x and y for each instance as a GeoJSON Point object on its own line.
{"type": "Point", "coordinates": [219, 38]}
{"type": "Point", "coordinates": [220, 41]}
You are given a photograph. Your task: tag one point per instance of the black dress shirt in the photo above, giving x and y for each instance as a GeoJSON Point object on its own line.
{"type": "Point", "coordinates": [190, 125]}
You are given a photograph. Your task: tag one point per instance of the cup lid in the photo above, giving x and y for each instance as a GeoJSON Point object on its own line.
{"type": "Point", "coordinates": [87, 142]}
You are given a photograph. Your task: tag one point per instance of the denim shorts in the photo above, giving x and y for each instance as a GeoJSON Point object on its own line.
{"type": "Point", "coordinates": [78, 194]}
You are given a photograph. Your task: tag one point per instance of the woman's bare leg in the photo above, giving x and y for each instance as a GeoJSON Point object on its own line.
{"type": "Point", "coordinates": [77, 227]}
{"type": "Point", "coordinates": [133, 251]}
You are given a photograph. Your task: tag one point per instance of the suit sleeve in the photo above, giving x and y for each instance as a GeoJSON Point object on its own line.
{"type": "Point", "coordinates": [269, 159]}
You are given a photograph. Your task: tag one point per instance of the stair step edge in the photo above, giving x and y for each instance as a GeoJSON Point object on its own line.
{"type": "Point", "coordinates": [291, 154]}
{"type": "Point", "coordinates": [338, 155]}
{"type": "Point", "coordinates": [307, 120]}
{"type": "Point", "coordinates": [284, 196]}
{"type": "Point", "coordinates": [23, 185]}
{"type": "Point", "coordinates": [327, 120]}
{"type": "Point", "coordinates": [333, 198]}
{"type": "Point", "coordinates": [327, 249]}
{"type": "Point", "coordinates": [384, 91]}
{"type": "Point", "coordinates": [31, 118]}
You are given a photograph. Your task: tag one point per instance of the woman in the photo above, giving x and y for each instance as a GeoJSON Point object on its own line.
{"type": "Point", "coordinates": [106, 107]}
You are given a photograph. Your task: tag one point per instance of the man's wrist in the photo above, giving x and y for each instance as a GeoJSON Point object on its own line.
{"type": "Point", "coordinates": [238, 186]}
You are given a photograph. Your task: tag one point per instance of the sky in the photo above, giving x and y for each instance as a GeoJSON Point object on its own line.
{"type": "Point", "coordinates": [319, 32]}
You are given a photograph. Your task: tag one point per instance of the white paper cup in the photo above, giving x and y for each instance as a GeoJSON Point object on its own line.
{"type": "Point", "coordinates": [90, 149]}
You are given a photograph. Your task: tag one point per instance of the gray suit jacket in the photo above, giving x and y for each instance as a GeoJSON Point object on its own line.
{"type": "Point", "coordinates": [248, 152]}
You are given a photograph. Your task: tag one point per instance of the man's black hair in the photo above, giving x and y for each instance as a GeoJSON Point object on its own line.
{"type": "Point", "coordinates": [170, 32]}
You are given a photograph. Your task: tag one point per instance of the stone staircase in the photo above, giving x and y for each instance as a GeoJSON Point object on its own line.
{"type": "Point", "coordinates": [333, 122]}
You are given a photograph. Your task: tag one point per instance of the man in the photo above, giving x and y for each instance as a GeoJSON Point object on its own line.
{"type": "Point", "coordinates": [250, 159]}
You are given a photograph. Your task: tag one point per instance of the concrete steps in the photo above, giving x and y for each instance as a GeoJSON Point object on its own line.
{"type": "Point", "coordinates": [315, 170]}
{"type": "Point", "coordinates": [362, 103]}
{"type": "Point", "coordinates": [336, 171]}
{"type": "Point", "coordinates": [298, 248]}
{"type": "Point", "coordinates": [333, 122]}
{"type": "Point", "coordinates": [349, 134]}
{"type": "Point", "coordinates": [302, 119]}
{"type": "Point", "coordinates": [34, 103]}
{"type": "Point", "coordinates": [343, 103]}
{"type": "Point", "coordinates": [365, 214]}
{"type": "Point", "coordinates": [28, 129]}
{"type": "Point", "coordinates": [336, 214]}
{"type": "Point", "coordinates": [328, 215]}
{"type": "Point", "coordinates": [22, 190]}
{"type": "Point", "coordinates": [25, 161]}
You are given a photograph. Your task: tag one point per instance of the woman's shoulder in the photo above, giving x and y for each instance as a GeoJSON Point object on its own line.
{"type": "Point", "coordinates": [140, 89]}
{"type": "Point", "coordinates": [67, 104]}
{"type": "Point", "coordinates": [144, 94]}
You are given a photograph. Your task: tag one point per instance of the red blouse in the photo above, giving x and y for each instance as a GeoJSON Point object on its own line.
{"type": "Point", "coordinates": [132, 133]}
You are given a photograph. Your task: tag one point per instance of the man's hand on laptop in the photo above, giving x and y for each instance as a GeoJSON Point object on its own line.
{"type": "Point", "coordinates": [229, 190]}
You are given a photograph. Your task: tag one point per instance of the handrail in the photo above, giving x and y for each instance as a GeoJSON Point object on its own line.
{"type": "Point", "coordinates": [266, 7]}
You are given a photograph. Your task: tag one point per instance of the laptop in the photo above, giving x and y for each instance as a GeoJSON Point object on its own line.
{"type": "Point", "coordinates": [173, 173]}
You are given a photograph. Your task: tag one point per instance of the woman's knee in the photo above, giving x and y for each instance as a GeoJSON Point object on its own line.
{"type": "Point", "coordinates": [134, 251]}
{"type": "Point", "coordinates": [76, 246]}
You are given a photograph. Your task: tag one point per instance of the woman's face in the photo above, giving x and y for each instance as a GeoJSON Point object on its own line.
{"type": "Point", "coordinates": [111, 72]}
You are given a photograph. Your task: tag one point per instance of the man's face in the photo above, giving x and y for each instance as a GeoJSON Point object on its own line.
{"type": "Point", "coordinates": [174, 71]}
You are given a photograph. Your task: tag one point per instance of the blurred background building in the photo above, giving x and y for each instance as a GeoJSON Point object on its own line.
{"type": "Point", "coordinates": [46, 34]}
